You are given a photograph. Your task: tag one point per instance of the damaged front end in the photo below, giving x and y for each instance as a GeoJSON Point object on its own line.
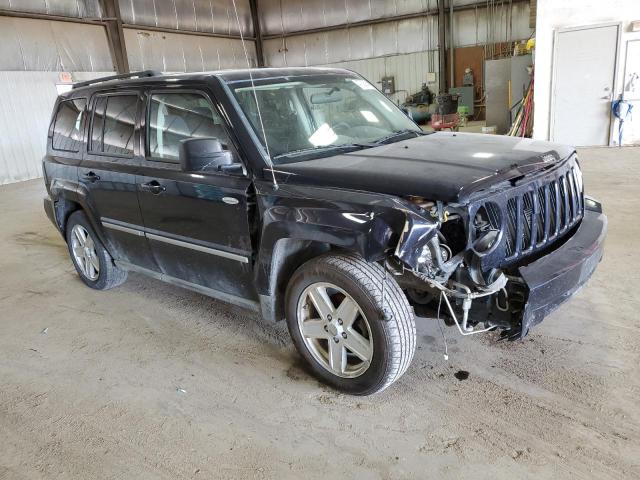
{"type": "Point", "coordinates": [506, 258]}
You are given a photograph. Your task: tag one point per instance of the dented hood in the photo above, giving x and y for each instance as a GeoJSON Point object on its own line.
{"type": "Point", "coordinates": [441, 166]}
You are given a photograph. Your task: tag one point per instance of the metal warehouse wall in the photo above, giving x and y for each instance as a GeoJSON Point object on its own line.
{"type": "Point", "coordinates": [209, 16]}
{"type": "Point", "coordinates": [409, 70]}
{"type": "Point", "coordinates": [177, 52]}
{"type": "Point", "coordinates": [174, 52]}
{"type": "Point", "coordinates": [25, 110]}
{"type": "Point", "coordinates": [67, 8]}
{"type": "Point", "coordinates": [33, 51]}
{"type": "Point", "coordinates": [406, 49]}
{"type": "Point", "coordinates": [45, 45]}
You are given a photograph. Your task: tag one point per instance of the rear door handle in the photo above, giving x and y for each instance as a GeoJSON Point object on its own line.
{"type": "Point", "coordinates": [92, 177]}
{"type": "Point", "coordinates": [153, 187]}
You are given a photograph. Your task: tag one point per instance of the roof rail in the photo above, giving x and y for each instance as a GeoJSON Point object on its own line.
{"type": "Point", "coordinates": [143, 73]}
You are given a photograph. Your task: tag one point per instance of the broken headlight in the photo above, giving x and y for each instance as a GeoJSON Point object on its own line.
{"type": "Point", "coordinates": [487, 228]}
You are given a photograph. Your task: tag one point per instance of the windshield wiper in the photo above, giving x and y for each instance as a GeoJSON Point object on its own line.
{"type": "Point", "coordinates": [347, 147]}
{"type": "Point", "coordinates": [398, 135]}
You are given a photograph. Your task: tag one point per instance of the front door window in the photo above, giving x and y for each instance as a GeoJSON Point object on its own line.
{"type": "Point", "coordinates": [178, 116]}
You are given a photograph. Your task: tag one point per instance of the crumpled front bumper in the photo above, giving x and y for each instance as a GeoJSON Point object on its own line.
{"type": "Point", "coordinates": [554, 278]}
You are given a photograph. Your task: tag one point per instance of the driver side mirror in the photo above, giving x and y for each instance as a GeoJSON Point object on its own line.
{"type": "Point", "coordinates": [206, 154]}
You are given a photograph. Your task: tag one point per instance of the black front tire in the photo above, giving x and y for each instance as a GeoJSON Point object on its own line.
{"type": "Point", "coordinates": [109, 275]}
{"type": "Point", "coordinates": [387, 310]}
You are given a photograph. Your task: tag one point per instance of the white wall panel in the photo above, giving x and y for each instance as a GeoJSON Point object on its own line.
{"type": "Point", "coordinates": [27, 44]}
{"type": "Point", "coordinates": [25, 111]}
{"type": "Point", "coordinates": [68, 8]}
{"type": "Point", "coordinates": [213, 16]}
{"type": "Point", "coordinates": [173, 52]}
{"type": "Point", "coordinates": [409, 70]}
{"type": "Point", "coordinates": [471, 27]}
{"type": "Point", "coordinates": [278, 16]}
{"type": "Point", "coordinates": [390, 38]}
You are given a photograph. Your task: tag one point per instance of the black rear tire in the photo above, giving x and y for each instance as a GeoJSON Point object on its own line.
{"type": "Point", "coordinates": [108, 275]}
{"type": "Point", "coordinates": [387, 311]}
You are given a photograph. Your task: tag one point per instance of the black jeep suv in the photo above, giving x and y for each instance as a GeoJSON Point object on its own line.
{"type": "Point", "coordinates": [305, 194]}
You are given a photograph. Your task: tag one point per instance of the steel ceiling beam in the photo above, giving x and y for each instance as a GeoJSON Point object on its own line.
{"type": "Point", "coordinates": [45, 16]}
{"type": "Point", "coordinates": [115, 35]}
{"type": "Point", "coordinates": [257, 33]}
{"type": "Point", "coordinates": [197, 33]}
{"type": "Point", "coordinates": [102, 22]}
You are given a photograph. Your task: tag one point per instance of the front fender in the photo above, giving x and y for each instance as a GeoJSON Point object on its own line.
{"type": "Point", "coordinates": [363, 223]}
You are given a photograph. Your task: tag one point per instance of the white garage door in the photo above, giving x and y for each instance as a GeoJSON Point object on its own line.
{"type": "Point", "coordinates": [584, 70]}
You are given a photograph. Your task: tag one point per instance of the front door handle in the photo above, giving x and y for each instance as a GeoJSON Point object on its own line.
{"type": "Point", "coordinates": [153, 187]}
{"type": "Point", "coordinates": [91, 177]}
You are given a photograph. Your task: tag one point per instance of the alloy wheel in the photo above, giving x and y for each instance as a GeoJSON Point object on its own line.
{"type": "Point", "coordinates": [335, 330]}
{"type": "Point", "coordinates": [84, 252]}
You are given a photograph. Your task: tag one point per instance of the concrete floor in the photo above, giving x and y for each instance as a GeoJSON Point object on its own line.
{"type": "Point", "coordinates": [89, 380]}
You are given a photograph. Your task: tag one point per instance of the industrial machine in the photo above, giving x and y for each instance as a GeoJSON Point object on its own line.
{"type": "Point", "coordinates": [419, 106]}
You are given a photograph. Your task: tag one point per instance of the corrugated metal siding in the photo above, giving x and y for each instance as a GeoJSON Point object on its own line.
{"type": "Point", "coordinates": [214, 16]}
{"type": "Point", "coordinates": [25, 110]}
{"type": "Point", "coordinates": [406, 36]}
{"type": "Point", "coordinates": [279, 16]}
{"type": "Point", "coordinates": [67, 8]}
{"type": "Point", "coordinates": [409, 70]}
{"type": "Point", "coordinates": [174, 52]}
{"type": "Point", "coordinates": [53, 46]}
{"type": "Point", "coordinates": [471, 27]}
{"type": "Point", "coordinates": [475, 27]}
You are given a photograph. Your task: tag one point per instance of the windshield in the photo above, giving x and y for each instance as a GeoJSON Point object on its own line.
{"type": "Point", "coordinates": [313, 116]}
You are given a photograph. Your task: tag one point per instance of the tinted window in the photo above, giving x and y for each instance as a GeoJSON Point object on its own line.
{"type": "Point", "coordinates": [113, 124]}
{"type": "Point", "coordinates": [97, 125]}
{"type": "Point", "coordinates": [177, 116]}
{"type": "Point", "coordinates": [67, 127]}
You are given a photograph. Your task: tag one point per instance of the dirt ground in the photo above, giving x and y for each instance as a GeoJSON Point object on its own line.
{"type": "Point", "coordinates": [151, 381]}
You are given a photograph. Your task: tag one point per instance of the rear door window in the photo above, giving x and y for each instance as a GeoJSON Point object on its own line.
{"type": "Point", "coordinates": [113, 125]}
{"type": "Point", "coordinates": [68, 125]}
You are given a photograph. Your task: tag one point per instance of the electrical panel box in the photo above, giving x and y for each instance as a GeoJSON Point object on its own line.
{"type": "Point", "coordinates": [388, 85]}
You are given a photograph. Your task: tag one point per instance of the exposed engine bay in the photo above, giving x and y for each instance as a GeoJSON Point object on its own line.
{"type": "Point", "coordinates": [468, 258]}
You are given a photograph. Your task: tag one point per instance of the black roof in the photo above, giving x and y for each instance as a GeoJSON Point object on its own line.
{"type": "Point", "coordinates": [149, 77]}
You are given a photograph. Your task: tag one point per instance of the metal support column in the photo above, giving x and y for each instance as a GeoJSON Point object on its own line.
{"type": "Point", "coordinates": [257, 34]}
{"type": "Point", "coordinates": [115, 35]}
{"type": "Point", "coordinates": [442, 49]}
{"type": "Point", "coordinates": [451, 50]}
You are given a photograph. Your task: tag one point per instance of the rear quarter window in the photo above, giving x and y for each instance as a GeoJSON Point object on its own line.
{"type": "Point", "coordinates": [68, 125]}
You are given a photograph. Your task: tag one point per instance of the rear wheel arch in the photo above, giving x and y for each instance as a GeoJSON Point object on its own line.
{"type": "Point", "coordinates": [64, 208]}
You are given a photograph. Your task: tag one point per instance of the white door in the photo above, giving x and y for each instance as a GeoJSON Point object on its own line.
{"type": "Point", "coordinates": [584, 74]}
